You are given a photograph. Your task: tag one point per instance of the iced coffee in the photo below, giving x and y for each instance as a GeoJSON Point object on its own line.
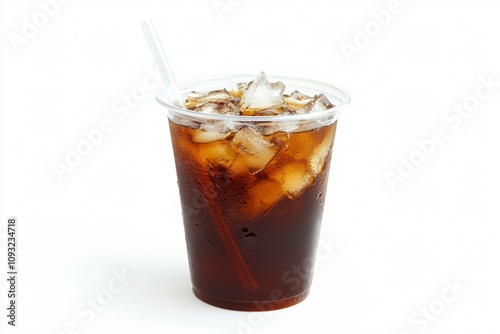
{"type": "Point", "coordinates": [252, 162]}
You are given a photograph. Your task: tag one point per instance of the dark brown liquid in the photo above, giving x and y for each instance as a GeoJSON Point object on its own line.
{"type": "Point", "coordinates": [251, 241]}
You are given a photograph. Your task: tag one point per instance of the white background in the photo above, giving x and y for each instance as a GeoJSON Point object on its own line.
{"type": "Point", "coordinates": [118, 210]}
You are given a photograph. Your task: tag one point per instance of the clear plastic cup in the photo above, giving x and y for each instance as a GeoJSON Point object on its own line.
{"type": "Point", "coordinates": [252, 195]}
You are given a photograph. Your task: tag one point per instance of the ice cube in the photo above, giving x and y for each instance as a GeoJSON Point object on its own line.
{"type": "Point", "coordinates": [297, 100]}
{"type": "Point", "coordinates": [218, 108]}
{"type": "Point", "coordinates": [255, 151]}
{"type": "Point", "coordinates": [263, 97]}
{"type": "Point", "coordinates": [302, 144]}
{"type": "Point", "coordinates": [211, 131]}
{"type": "Point", "coordinates": [263, 195]}
{"type": "Point", "coordinates": [240, 89]}
{"type": "Point", "coordinates": [321, 151]}
{"type": "Point", "coordinates": [250, 141]}
{"type": "Point", "coordinates": [294, 177]}
{"type": "Point", "coordinates": [318, 103]}
{"type": "Point", "coordinates": [219, 153]}
{"type": "Point", "coordinates": [197, 99]}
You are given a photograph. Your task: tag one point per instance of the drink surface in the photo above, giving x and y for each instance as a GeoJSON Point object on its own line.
{"type": "Point", "coordinates": [252, 202]}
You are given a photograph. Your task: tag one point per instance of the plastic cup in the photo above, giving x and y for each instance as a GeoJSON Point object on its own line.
{"type": "Point", "coordinates": [252, 195]}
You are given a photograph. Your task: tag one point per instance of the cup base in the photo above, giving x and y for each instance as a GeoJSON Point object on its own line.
{"type": "Point", "coordinates": [253, 306]}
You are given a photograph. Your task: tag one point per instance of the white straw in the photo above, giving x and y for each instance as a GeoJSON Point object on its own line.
{"type": "Point", "coordinates": [162, 62]}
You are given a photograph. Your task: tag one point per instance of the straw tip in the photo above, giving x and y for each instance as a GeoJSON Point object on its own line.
{"type": "Point", "coordinates": [146, 23]}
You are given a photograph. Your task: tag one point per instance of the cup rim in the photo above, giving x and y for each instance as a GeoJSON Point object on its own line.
{"type": "Point", "coordinates": [163, 97]}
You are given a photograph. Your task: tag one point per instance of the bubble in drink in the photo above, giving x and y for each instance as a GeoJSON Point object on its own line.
{"type": "Point", "coordinates": [263, 185]}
